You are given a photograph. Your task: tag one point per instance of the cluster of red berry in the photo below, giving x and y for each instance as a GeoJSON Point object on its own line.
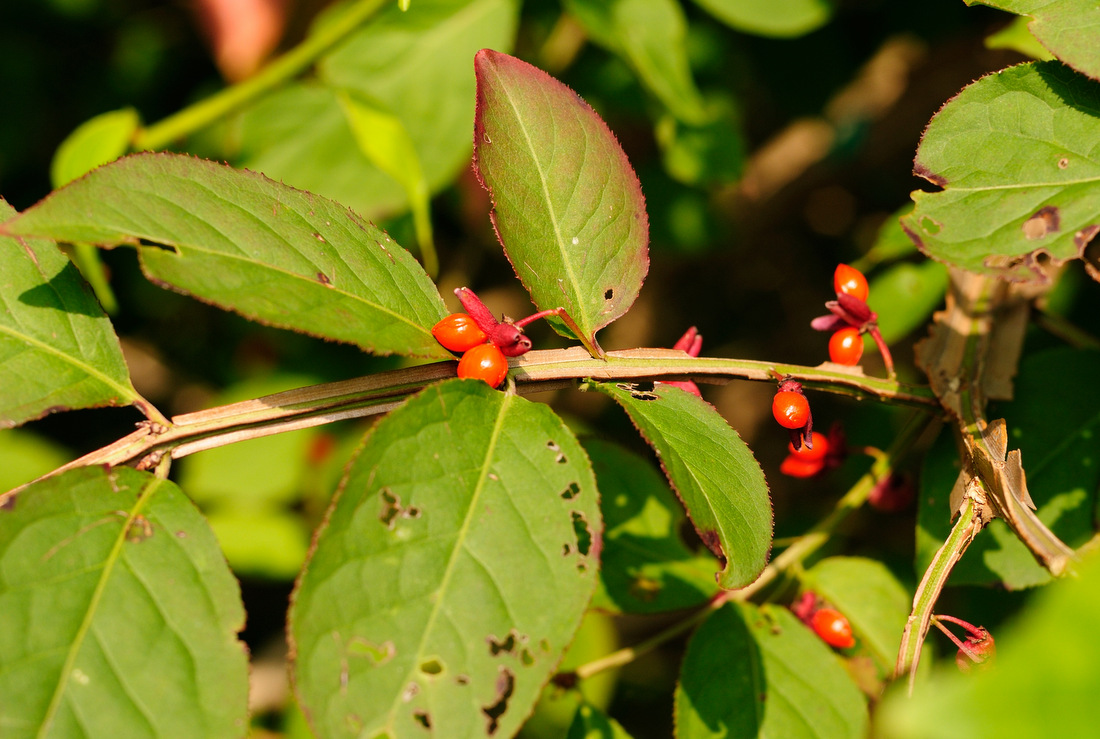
{"type": "Point", "coordinates": [828, 623]}
{"type": "Point", "coordinates": [484, 341]}
{"type": "Point", "coordinates": [849, 318]}
{"type": "Point", "coordinates": [822, 453]}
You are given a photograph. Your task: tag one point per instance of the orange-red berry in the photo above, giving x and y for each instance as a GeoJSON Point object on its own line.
{"type": "Point", "coordinates": [846, 346]}
{"type": "Point", "coordinates": [804, 452]}
{"type": "Point", "coordinates": [833, 628]}
{"type": "Point", "coordinates": [791, 409]}
{"type": "Point", "coordinates": [484, 362]}
{"type": "Point", "coordinates": [459, 332]}
{"type": "Point", "coordinates": [850, 281]}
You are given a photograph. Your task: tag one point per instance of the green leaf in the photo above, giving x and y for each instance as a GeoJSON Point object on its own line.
{"type": "Point", "coordinates": [891, 241]}
{"type": "Point", "coordinates": [1066, 27]}
{"type": "Point", "coordinates": [759, 672]}
{"type": "Point", "coordinates": [58, 350]}
{"type": "Point", "coordinates": [417, 66]}
{"type": "Point", "coordinates": [870, 597]}
{"type": "Point", "coordinates": [711, 469]}
{"type": "Point", "coordinates": [274, 254]}
{"type": "Point", "coordinates": [1043, 682]}
{"type": "Point", "coordinates": [261, 543]}
{"type": "Point", "coordinates": [97, 141]}
{"type": "Point", "coordinates": [1056, 432]}
{"type": "Point", "coordinates": [648, 35]}
{"type": "Point", "coordinates": [120, 616]}
{"type": "Point", "coordinates": [779, 18]}
{"type": "Point", "coordinates": [904, 296]}
{"type": "Point", "coordinates": [1017, 37]}
{"type": "Point", "coordinates": [707, 154]}
{"type": "Point", "coordinates": [1014, 153]}
{"type": "Point", "coordinates": [645, 566]}
{"type": "Point", "coordinates": [25, 456]}
{"type": "Point", "coordinates": [566, 205]}
{"type": "Point", "coordinates": [592, 723]}
{"type": "Point", "coordinates": [382, 137]}
{"type": "Point", "coordinates": [452, 571]}
{"type": "Point", "coordinates": [598, 636]}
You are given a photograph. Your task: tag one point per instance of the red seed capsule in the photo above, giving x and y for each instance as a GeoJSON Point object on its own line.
{"type": "Point", "coordinates": [846, 346]}
{"type": "Point", "coordinates": [850, 281]}
{"type": "Point", "coordinates": [833, 628]}
{"type": "Point", "coordinates": [791, 409]}
{"type": "Point", "coordinates": [458, 332]}
{"type": "Point", "coordinates": [484, 362]}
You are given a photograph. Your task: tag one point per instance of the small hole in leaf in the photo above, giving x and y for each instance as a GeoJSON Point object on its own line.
{"type": "Point", "coordinates": [584, 536]}
{"type": "Point", "coordinates": [527, 658]}
{"type": "Point", "coordinates": [544, 645]}
{"type": "Point", "coordinates": [422, 718]}
{"type": "Point", "coordinates": [552, 446]}
{"type": "Point", "coordinates": [391, 507]}
{"type": "Point", "coordinates": [412, 512]}
{"type": "Point", "coordinates": [566, 549]}
{"type": "Point", "coordinates": [929, 226]}
{"type": "Point", "coordinates": [561, 459]}
{"type": "Point", "coordinates": [462, 679]}
{"type": "Point", "coordinates": [431, 667]}
{"type": "Point", "coordinates": [505, 686]}
{"type": "Point", "coordinates": [571, 492]}
{"type": "Point", "coordinates": [608, 294]}
{"type": "Point", "coordinates": [508, 644]}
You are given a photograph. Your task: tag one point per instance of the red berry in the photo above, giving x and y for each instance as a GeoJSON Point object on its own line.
{"type": "Point", "coordinates": [794, 466]}
{"type": "Point", "coordinates": [791, 409]}
{"type": "Point", "coordinates": [484, 362]}
{"type": "Point", "coordinates": [458, 332]}
{"type": "Point", "coordinates": [846, 346]}
{"type": "Point", "coordinates": [821, 448]}
{"type": "Point", "coordinates": [833, 628]}
{"type": "Point", "coordinates": [850, 281]}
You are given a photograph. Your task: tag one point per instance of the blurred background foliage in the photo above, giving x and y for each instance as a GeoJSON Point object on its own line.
{"type": "Point", "coordinates": [772, 140]}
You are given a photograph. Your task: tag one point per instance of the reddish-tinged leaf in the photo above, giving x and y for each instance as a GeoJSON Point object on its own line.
{"type": "Point", "coordinates": [567, 206]}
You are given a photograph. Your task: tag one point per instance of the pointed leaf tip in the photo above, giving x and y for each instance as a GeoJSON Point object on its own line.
{"type": "Point", "coordinates": [567, 206]}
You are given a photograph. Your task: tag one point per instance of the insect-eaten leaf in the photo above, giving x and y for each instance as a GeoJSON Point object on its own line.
{"type": "Point", "coordinates": [462, 550]}
{"type": "Point", "coordinates": [1013, 154]}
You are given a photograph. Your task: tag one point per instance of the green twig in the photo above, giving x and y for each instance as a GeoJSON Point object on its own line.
{"type": "Point", "coordinates": [536, 371]}
{"type": "Point", "coordinates": [277, 73]}
{"type": "Point", "coordinates": [967, 526]}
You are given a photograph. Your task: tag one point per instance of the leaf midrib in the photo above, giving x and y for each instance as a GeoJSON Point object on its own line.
{"type": "Point", "coordinates": [558, 238]}
{"type": "Point", "coordinates": [86, 624]}
{"type": "Point", "coordinates": [460, 539]}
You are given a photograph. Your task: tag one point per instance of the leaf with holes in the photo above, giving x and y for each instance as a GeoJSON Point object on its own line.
{"type": "Point", "coordinates": [1015, 154]}
{"type": "Point", "coordinates": [759, 672]}
{"type": "Point", "coordinates": [452, 571]}
{"type": "Point", "coordinates": [645, 567]}
{"type": "Point", "coordinates": [1067, 28]}
{"type": "Point", "coordinates": [120, 615]}
{"type": "Point", "coordinates": [57, 347]}
{"type": "Point", "coordinates": [711, 469]}
{"type": "Point", "coordinates": [567, 206]}
{"type": "Point", "coordinates": [240, 241]}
